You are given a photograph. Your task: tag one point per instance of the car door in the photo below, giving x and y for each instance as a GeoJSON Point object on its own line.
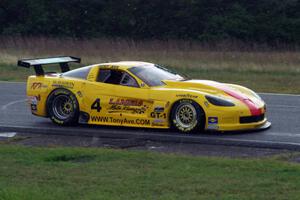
{"type": "Point", "coordinates": [116, 98]}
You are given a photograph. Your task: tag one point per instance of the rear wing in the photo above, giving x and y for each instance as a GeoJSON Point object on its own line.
{"type": "Point", "coordinates": [38, 63]}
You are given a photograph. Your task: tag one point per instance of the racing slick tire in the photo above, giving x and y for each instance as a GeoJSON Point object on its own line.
{"type": "Point", "coordinates": [63, 107]}
{"type": "Point", "coordinates": [187, 116]}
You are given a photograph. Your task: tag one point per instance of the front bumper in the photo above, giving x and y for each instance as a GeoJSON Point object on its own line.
{"type": "Point", "coordinates": [261, 125]}
{"type": "Point", "coordinates": [237, 119]}
{"type": "Point", "coordinates": [248, 112]}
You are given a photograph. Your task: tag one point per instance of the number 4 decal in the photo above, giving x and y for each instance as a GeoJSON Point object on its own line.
{"type": "Point", "coordinates": [96, 105]}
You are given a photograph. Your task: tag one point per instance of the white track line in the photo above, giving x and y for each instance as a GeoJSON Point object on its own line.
{"type": "Point", "coordinates": [12, 82]}
{"type": "Point", "coordinates": [281, 106]}
{"type": "Point", "coordinates": [4, 107]}
{"type": "Point", "coordinates": [283, 134]}
{"type": "Point", "coordinates": [256, 141]}
{"type": "Point", "coordinates": [279, 94]}
{"type": "Point", "coordinates": [8, 135]}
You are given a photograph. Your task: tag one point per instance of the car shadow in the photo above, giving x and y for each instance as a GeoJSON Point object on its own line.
{"type": "Point", "coordinates": [99, 128]}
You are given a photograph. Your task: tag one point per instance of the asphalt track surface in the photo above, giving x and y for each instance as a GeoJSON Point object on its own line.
{"type": "Point", "coordinates": [282, 110]}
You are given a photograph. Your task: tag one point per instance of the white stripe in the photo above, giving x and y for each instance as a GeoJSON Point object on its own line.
{"type": "Point", "coordinates": [280, 94]}
{"type": "Point", "coordinates": [281, 106]}
{"type": "Point", "coordinates": [8, 135]}
{"type": "Point", "coordinates": [256, 141]}
{"type": "Point", "coordinates": [4, 107]}
{"type": "Point", "coordinates": [12, 82]}
{"type": "Point", "coordinates": [284, 134]}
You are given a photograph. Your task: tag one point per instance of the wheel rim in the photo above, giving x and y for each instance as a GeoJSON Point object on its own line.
{"type": "Point", "coordinates": [62, 107]}
{"type": "Point", "coordinates": [186, 115]}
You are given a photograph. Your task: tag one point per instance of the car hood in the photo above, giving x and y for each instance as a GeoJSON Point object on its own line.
{"type": "Point", "coordinates": [210, 87]}
{"type": "Point", "coordinates": [223, 90]}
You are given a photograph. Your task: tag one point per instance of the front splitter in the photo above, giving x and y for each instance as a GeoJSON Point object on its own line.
{"type": "Point", "coordinates": [265, 126]}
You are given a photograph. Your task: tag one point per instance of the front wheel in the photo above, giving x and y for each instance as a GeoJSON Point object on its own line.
{"type": "Point", "coordinates": [63, 108]}
{"type": "Point", "coordinates": [187, 116]}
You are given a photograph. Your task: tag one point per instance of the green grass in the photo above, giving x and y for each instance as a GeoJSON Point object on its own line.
{"type": "Point", "coordinates": [9, 72]}
{"type": "Point", "coordinates": [87, 173]}
{"type": "Point", "coordinates": [257, 67]}
{"type": "Point", "coordinates": [259, 81]}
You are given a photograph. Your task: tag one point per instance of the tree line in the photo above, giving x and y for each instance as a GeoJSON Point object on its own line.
{"type": "Point", "coordinates": [268, 21]}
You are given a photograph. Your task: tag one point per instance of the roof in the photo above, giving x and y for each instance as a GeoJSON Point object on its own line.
{"type": "Point", "coordinates": [127, 64]}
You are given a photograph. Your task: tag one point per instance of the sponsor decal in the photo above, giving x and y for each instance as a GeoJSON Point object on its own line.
{"type": "Point", "coordinates": [134, 106]}
{"type": "Point", "coordinates": [212, 120]}
{"type": "Point", "coordinates": [212, 123]}
{"type": "Point", "coordinates": [126, 102]}
{"type": "Point", "coordinates": [37, 85]}
{"type": "Point", "coordinates": [103, 119]}
{"type": "Point", "coordinates": [159, 109]}
{"type": "Point", "coordinates": [158, 122]}
{"type": "Point", "coordinates": [127, 109]}
{"type": "Point", "coordinates": [212, 127]}
{"type": "Point", "coordinates": [158, 115]}
{"type": "Point", "coordinates": [187, 96]}
{"type": "Point", "coordinates": [64, 84]}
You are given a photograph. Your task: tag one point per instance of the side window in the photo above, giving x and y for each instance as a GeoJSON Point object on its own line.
{"type": "Point", "coordinates": [81, 73]}
{"type": "Point", "coordinates": [128, 80]}
{"type": "Point", "coordinates": [103, 75]}
{"type": "Point", "coordinates": [116, 77]}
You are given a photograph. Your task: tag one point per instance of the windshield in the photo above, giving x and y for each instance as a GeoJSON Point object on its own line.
{"type": "Point", "coordinates": [153, 75]}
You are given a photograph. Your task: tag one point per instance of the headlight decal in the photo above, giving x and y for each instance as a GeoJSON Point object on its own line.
{"type": "Point", "coordinates": [219, 101]}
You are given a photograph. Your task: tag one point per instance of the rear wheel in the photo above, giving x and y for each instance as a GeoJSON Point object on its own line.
{"type": "Point", "coordinates": [63, 107]}
{"type": "Point", "coordinates": [187, 116]}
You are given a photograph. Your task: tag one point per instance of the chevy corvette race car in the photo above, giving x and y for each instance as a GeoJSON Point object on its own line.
{"type": "Point", "coordinates": [139, 94]}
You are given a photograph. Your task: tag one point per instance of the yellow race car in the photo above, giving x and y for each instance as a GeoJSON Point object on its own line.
{"type": "Point", "coordinates": [139, 94]}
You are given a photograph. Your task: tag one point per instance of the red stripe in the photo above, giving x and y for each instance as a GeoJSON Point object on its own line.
{"type": "Point", "coordinates": [243, 98]}
{"type": "Point", "coordinates": [253, 109]}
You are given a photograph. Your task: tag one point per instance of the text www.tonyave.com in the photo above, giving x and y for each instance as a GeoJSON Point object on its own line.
{"type": "Point", "coordinates": [120, 121]}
